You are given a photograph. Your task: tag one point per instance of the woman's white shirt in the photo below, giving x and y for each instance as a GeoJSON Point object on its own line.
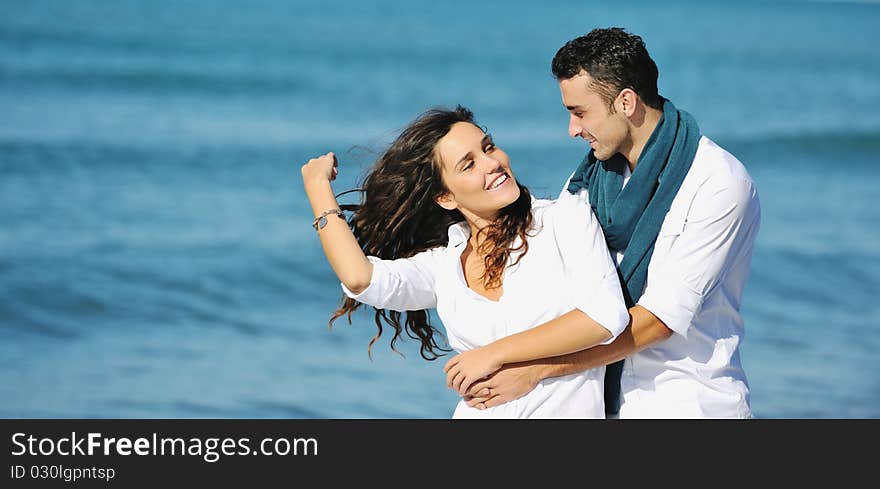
{"type": "Point", "coordinates": [567, 266]}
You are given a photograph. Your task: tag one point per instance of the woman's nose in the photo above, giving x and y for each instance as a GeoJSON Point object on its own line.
{"type": "Point", "coordinates": [490, 164]}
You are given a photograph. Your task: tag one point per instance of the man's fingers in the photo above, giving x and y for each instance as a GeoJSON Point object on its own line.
{"type": "Point", "coordinates": [475, 401]}
{"type": "Point", "coordinates": [494, 401]}
{"type": "Point", "coordinates": [485, 402]}
{"type": "Point", "coordinates": [480, 388]}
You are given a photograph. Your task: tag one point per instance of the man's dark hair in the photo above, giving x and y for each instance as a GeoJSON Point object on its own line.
{"type": "Point", "coordinates": [615, 59]}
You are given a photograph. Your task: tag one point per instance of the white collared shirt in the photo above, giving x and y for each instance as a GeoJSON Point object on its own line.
{"type": "Point", "coordinates": [567, 266]}
{"type": "Point", "coordinates": [696, 277]}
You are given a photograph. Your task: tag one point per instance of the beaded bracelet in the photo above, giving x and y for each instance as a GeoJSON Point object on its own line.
{"type": "Point", "coordinates": [321, 220]}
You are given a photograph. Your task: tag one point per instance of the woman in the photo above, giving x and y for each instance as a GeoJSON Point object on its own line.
{"type": "Point", "coordinates": [444, 224]}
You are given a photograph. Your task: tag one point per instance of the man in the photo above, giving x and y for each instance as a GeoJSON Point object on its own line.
{"type": "Point", "coordinates": [680, 215]}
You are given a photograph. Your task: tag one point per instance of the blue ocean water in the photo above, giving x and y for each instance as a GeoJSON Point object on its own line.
{"type": "Point", "coordinates": [156, 254]}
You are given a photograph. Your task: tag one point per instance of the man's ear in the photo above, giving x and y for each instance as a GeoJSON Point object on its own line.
{"type": "Point", "coordinates": [446, 201]}
{"type": "Point", "coordinates": [626, 101]}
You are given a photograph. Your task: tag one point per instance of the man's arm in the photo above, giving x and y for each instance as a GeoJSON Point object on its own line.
{"type": "Point", "coordinates": [513, 381]}
{"type": "Point", "coordinates": [720, 228]}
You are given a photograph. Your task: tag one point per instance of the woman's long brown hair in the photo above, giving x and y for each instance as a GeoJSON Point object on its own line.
{"type": "Point", "coordinates": [398, 218]}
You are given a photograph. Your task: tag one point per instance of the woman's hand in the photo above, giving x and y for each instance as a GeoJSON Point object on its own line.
{"type": "Point", "coordinates": [510, 382]}
{"type": "Point", "coordinates": [321, 169]}
{"type": "Point", "coordinates": [466, 368]}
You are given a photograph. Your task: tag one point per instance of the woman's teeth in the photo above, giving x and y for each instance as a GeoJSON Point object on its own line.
{"type": "Point", "coordinates": [500, 181]}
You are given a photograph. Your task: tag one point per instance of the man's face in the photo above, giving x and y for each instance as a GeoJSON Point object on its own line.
{"type": "Point", "coordinates": [591, 119]}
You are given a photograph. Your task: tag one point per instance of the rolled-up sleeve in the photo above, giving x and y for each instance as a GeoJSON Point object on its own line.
{"type": "Point", "coordinates": [405, 284]}
{"type": "Point", "coordinates": [591, 274]}
{"type": "Point", "coordinates": [700, 249]}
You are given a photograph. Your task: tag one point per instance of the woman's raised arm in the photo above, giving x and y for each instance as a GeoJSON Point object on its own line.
{"type": "Point", "coordinates": [340, 246]}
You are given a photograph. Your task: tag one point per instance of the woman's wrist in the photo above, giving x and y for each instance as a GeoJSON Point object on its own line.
{"type": "Point", "coordinates": [320, 194]}
{"type": "Point", "coordinates": [497, 352]}
{"type": "Point", "coordinates": [316, 183]}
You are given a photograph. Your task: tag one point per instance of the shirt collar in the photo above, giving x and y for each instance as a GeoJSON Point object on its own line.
{"type": "Point", "coordinates": [459, 233]}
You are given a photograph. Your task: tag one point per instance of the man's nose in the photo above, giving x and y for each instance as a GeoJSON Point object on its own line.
{"type": "Point", "coordinates": [574, 129]}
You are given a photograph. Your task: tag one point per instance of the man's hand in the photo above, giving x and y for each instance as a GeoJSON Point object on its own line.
{"type": "Point", "coordinates": [511, 382]}
{"type": "Point", "coordinates": [515, 380]}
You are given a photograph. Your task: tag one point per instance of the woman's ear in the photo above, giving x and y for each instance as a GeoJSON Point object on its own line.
{"type": "Point", "coordinates": [447, 201]}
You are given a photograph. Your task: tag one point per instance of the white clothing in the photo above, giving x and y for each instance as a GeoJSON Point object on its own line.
{"type": "Point", "coordinates": [696, 277]}
{"type": "Point", "coordinates": [567, 266]}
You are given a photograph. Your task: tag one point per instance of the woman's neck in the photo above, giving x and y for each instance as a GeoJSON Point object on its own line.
{"type": "Point", "coordinates": [476, 224]}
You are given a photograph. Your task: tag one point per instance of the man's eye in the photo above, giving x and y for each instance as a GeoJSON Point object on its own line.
{"type": "Point", "coordinates": [489, 147]}
{"type": "Point", "coordinates": [578, 114]}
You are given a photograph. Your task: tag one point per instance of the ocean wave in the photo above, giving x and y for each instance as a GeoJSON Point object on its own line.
{"type": "Point", "coordinates": [280, 409]}
{"type": "Point", "coordinates": [158, 80]}
{"type": "Point", "coordinates": [811, 279]}
{"type": "Point", "coordinates": [809, 140]}
{"type": "Point", "coordinates": [17, 319]}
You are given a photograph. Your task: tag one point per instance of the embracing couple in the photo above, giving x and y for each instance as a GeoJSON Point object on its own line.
{"type": "Point", "coordinates": [620, 298]}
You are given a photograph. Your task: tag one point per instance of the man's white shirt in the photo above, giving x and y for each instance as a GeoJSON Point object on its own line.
{"type": "Point", "coordinates": [696, 277]}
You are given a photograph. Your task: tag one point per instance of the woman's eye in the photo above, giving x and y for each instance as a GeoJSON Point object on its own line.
{"type": "Point", "coordinates": [468, 165]}
{"type": "Point", "coordinates": [489, 147]}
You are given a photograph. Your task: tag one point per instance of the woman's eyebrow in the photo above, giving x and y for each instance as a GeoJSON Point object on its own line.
{"type": "Point", "coordinates": [487, 138]}
{"type": "Point", "coordinates": [464, 158]}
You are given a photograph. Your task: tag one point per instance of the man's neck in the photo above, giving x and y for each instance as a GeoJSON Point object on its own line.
{"type": "Point", "coordinates": [643, 125]}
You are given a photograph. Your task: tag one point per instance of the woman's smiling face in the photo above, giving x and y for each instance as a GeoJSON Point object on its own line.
{"type": "Point", "coordinates": [476, 173]}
